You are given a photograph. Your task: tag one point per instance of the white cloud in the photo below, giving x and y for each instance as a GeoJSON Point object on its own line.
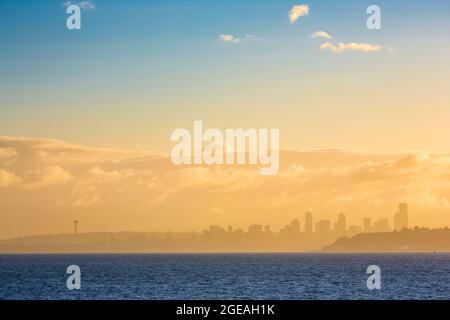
{"type": "Point", "coordinates": [8, 179]}
{"type": "Point", "coordinates": [321, 34]}
{"type": "Point", "coordinates": [6, 153]}
{"type": "Point", "coordinates": [353, 46]}
{"type": "Point", "coordinates": [85, 195]}
{"type": "Point", "coordinates": [51, 175]}
{"type": "Point", "coordinates": [87, 5]}
{"type": "Point", "coordinates": [229, 38]}
{"type": "Point", "coordinates": [298, 11]}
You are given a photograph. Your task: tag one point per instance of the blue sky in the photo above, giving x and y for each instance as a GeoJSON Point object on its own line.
{"type": "Point", "coordinates": [147, 67]}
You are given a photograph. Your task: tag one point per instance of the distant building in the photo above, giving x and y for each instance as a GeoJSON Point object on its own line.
{"type": "Point", "coordinates": [292, 229]}
{"type": "Point", "coordinates": [341, 224]}
{"type": "Point", "coordinates": [323, 227]}
{"type": "Point", "coordinates": [354, 230]}
{"type": "Point", "coordinates": [255, 229]}
{"type": "Point", "coordinates": [367, 225]}
{"type": "Point", "coordinates": [295, 226]}
{"type": "Point", "coordinates": [308, 222]}
{"type": "Point", "coordinates": [381, 225]}
{"type": "Point", "coordinates": [216, 230]}
{"type": "Point", "coordinates": [401, 217]}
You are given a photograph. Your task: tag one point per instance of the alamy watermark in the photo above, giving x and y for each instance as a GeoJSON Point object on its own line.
{"type": "Point", "coordinates": [73, 21]}
{"type": "Point", "coordinates": [234, 146]}
{"type": "Point", "coordinates": [74, 280]}
{"type": "Point", "coordinates": [73, 9]}
{"type": "Point", "coordinates": [374, 280]}
{"type": "Point", "coordinates": [374, 20]}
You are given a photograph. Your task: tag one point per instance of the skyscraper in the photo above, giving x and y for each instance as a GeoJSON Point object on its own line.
{"type": "Point", "coordinates": [367, 225]}
{"type": "Point", "coordinates": [268, 231]}
{"type": "Point", "coordinates": [381, 225]}
{"type": "Point", "coordinates": [323, 227]}
{"type": "Point", "coordinates": [308, 222]}
{"type": "Point", "coordinates": [295, 226]}
{"type": "Point", "coordinates": [341, 225]}
{"type": "Point", "coordinates": [401, 217]}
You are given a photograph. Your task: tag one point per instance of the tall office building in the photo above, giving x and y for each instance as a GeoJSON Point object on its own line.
{"type": "Point", "coordinates": [323, 227]}
{"type": "Point", "coordinates": [381, 225]}
{"type": "Point", "coordinates": [367, 225]}
{"type": "Point", "coordinates": [401, 217]}
{"type": "Point", "coordinates": [308, 222]}
{"type": "Point", "coordinates": [341, 225]}
{"type": "Point", "coordinates": [295, 226]}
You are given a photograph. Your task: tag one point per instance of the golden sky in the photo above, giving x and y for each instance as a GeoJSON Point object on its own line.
{"type": "Point", "coordinates": [46, 184]}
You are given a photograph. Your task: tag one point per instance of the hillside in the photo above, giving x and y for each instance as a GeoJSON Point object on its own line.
{"type": "Point", "coordinates": [428, 240]}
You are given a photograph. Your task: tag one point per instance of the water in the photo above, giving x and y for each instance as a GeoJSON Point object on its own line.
{"type": "Point", "coordinates": [226, 276]}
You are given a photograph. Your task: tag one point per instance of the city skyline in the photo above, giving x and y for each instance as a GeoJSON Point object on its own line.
{"type": "Point", "coordinates": [339, 228]}
{"type": "Point", "coordinates": [291, 237]}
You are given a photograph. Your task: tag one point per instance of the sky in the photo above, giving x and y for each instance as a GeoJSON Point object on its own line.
{"type": "Point", "coordinates": [137, 70]}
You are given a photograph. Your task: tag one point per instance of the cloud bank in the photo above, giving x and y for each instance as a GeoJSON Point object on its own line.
{"type": "Point", "coordinates": [116, 189]}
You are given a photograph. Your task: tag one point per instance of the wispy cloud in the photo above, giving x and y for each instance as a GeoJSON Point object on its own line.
{"type": "Point", "coordinates": [298, 11]}
{"type": "Point", "coordinates": [321, 34]}
{"type": "Point", "coordinates": [85, 5]}
{"type": "Point", "coordinates": [50, 175]}
{"type": "Point", "coordinates": [353, 46]}
{"type": "Point", "coordinates": [8, 179]}
{"type": "Point", "coordinates": [391, 50]}
{"type": "Point", "coordinates": [229, 38]}
{"type": "Point", "coordinates": [6, 153]}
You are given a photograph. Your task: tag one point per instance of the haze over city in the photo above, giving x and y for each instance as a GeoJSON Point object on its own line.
{"type": "Point", "coordinates": [86, 116]}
